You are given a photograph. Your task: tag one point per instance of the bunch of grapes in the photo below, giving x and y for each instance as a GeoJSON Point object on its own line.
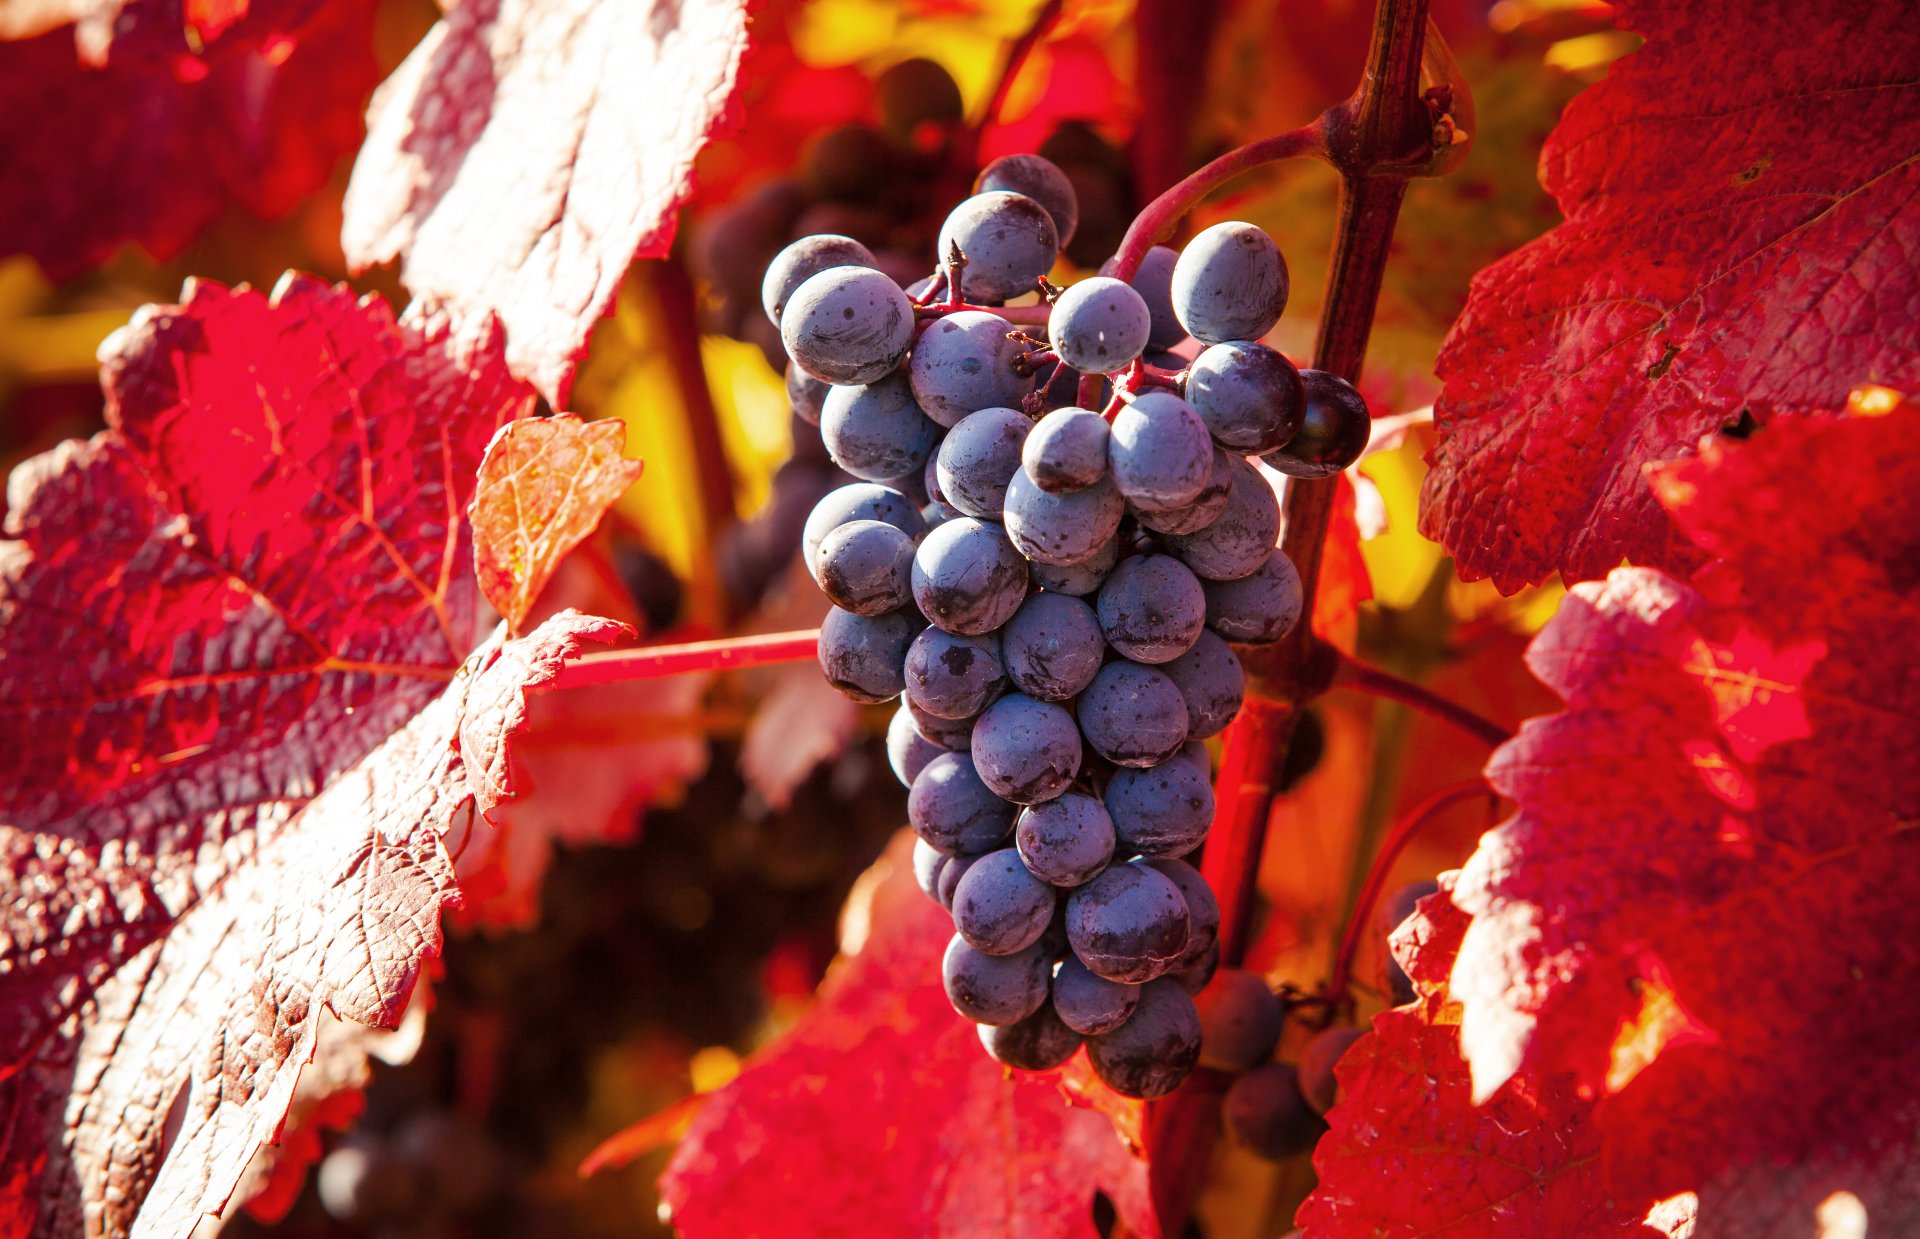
{"type": "Point", "coordinates": [1053, 591]}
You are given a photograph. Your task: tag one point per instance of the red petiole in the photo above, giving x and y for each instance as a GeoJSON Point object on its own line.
{"type": "Point", "coordinates": [657, 661]}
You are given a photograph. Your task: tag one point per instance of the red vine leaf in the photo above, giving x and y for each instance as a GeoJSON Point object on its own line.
{"type": "Point", "coordinates": [527, 152]}
{"type": "Point", "coordinates": [150, 148]}
{"type": "Point", "coordinates": [1701, 910]}
{"type": "Point", "coordinates": [544, 485]}
{"type": "Point", "coordinates": [244, 708]}
{"type": "Point", "coordinates": [880, 1114]}
{"type": "Point", "coordinates": [1743, 214]}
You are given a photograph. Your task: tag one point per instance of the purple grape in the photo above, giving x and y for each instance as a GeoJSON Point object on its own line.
{"type": "Point", "coordinates": [1133, 715]}
{"type": "Point", "coordinates": [965, 362]}
{"type": "Point", "coordinates": [1067, 451]}
{"type": "Point", "coordinates": [954, 811]}
{"type": "Point", "coordinates": [1160, 455]}
{"type": "Point", "coordinates": [1203, 910]}
{"type": "Point", "coordinates": [1334, 429]}
{"type": "Point", "coordinates": [1154, 282]}
{"type": "Point", "coordinates": [953, 735]}
{"type": "Point", "coordinates": [861, 654]}
{"type": "Point", "coordinates": [1064, 841]}
{"type": "Point", "coordinates": [928, 861]}
{"type": "Point", "coordinates": [1206, 506]}
{"type": "Point", "coordinates": [1150, 1054]}
{"type": "Point", "coordinates": [1061, 530]}
{"type": "Point", "coordinates": [995, 989]}
{"type": "Point", "coordinates": [1088, 1003]}
{"type": "Point", "coordinates": [1257, 608]}
{"type": "Point", "coordinates": [876, 431]}
{"type": "Point", "coordinates": [1078, 580]}
{"type": "Point", "coordinates": [1250, 396]}
{"type": "Point", "coordinates": [866, 567]}
{"type": "Point", "coordinates": [952, 676]}
{"type": "Point", "coordinates": [1152, 608]}
{"type": "Point", "coordinates": [1052, 647]}
{"type": "Point", "coordinates": [1000, 907]}
{"type": "Point", "coordinates": [916, 92]}
{"type": "Point", "coordinates": [1212, 683]}
{"type": "Point", "coordinates": [862, 501]}
{"type": "Point", "coordinates": [1267, 1114]}
{"type": "Point", "coordinates": [805, 393]}
{"type": "Point", "coordinates": [1229, 283]}
{"type": "Point", "coordinates": [1099, 326]}
{"type": "Point", "coordinates": [805, 258]}
{"type": "Point", "coordinates": [1129, 924]}
{"type": "Point", "coordinates": [1193, 977]}
{"type": "Point", "coordinates": [949, 882]}
{"type": "Point", "coordinates": [967, 578]}
{"type": "Point", "coordinates": [908, 752]}
{"type": "Point", "coordinates": [1039, 179]}
{"type": "Point", "coordinates": [1009, 242]}
{"type": "Point", "coordinates": [1026, 750]}
{"type": "Point", "coordinates": [1238, 541]}
{"type": "Point", "coordinates": [978, 458]}
{"type": "Point", "coordinates": [847, 325]}
{"type": "Point", "coordinates": [1161, 810]}
{"type": "Point", "coordinates": [1318, 1083]}
{"type": "Point", "coordinates": [1038, 1043]}
{"type": "Point", "coordinates": [1240, 1019]}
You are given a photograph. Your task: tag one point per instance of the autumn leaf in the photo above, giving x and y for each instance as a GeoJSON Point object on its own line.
{"type": "Point", "coordinates": [245, 709]}
{"type": "Point", "coordinates": [880, 1114]}
{"type": "Point", "coordinates": [1700, 912]}
{"type": "Point", "coordinates": [1741, 224]}
{"type": "Point", "coordinates": [526, 153]}
{"type": "Point", "coordinates": [151, 148]}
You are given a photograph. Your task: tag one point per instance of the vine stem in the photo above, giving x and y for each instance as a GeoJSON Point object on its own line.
{"type": "Point", "coordinates": [1022, 315]}
{"type": "Point", "coordinates": [656, 661]}
{"type": "Point", "coordinates": [1043, 20]}
{"type": "Point", "coordinates": [1362, 677]}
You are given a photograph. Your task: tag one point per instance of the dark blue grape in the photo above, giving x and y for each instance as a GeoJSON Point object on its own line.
{"type": "Point", "coordinates": [954, 735]}
{"type": "Point", "coordinates": [1052, 647]}
{"type": "Point", "coordinates": [965, 362]}
{"type": "Point", "coordinates": [1250, 396]}
{"type": "Point", "coordinates": [1161, 810]}
{"type": "Point", "coordinates": [1160, 455]}
{"type": "Point", "coordinates": [967, 578]}
{"type": "Point", "coordinates": [1061, 530]}
{"type": "Point", "coordinates": [1088, 1003]}
{"type": "Point", "coordinates": [1009, 242]}
{"type": "Point", "coordinates": [1206, 506]}
{"type": "Point", "coordinates": [1211, 681]}
{"type": "Point", "coordinates": [1066, 451]}
{"type": "Point", "coordinates": [1229, 283]}
{"type": "Point", "coordinates": [1194, 977]}
{"type": "Point", "coordinates": [1000, 907]}
{"type": "Point", "coordinates": [1333, 433]}
{"type": "Point", "coordinates": [1257, 608]}
{"type": "Point", "coordinates": [1133, 715]}
{"type": "Point", "coordinates": [1038, 1043]}
{"type": "Point", "coordinates": [876, 431]}
{"type": "Point", "coordinates": [1154, 282]}
{"type": "Point", "coordinates": [995, 989]}
{"type": "Point", "coordinates": [1040, 179]}
{"type": "Point", "coordinates": [908, 752]}
{"type": "Point", "coordinates": [954, 811]}
{"type": "Point", "coordinates": [1026, 750]}
{"type": "Point", "coordinates": [805, 393]}
{"type": "Point", "coordinates": [1152, 608]}
{"type": "Point", "coordinates": [1129, 924]}
{"type": "Point", "coordinates": [1240, 1020]}
{"type": "Point", "coordinates": [1268, 1116]}
{"type": "Point", "coordinates": [949, 880]}
{"type": "Point", "coordinates": [862, 501]}
{"type": "Point", "coordinates": [807, 257]}
{"type": "Point", "coordinates": [979, 457]}
{"type": "Point", "coordinates": [1081, 579]}
{"type": "Point", "coordinates": [847, 325]}
{"type": "Point", "coordinates": [952, 676]}
{"type": "Point", "coordinates": [1238, 540]}
{"type": "Point", "coordinates": [1150, 1054]}
{"type": "Point", "coordinates": [928, 861]}
{"type": "Point", "coordinates": [1099, 326]}
{"type": "Point", "coordinates": [1065, 841]}
{"type": "Point", "coordinates": [1203, 910]}
{"type": "Point", "coordinates": [866, 567]}
{"type": "Point", "coordinates": [862, 654]}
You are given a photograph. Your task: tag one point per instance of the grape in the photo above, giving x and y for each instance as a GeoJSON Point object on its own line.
{"type": "Point", "coordinates": [861, 654]}
{"type": "Point", "coordinates": [1026, 750]}
{"type": "Point", "coordinates": [1150, 1054]}
{"type": "Point", "coordinates": [1066, 451]}
{"type": "Point", "coordinates": [967, 577]}
{"type": "Point", "coordinates": [949, 881]}
{"type": "Point", "coordinates": [1203, 910]}
{"type": "Point", "coordinates": [1394, 911]}
{"type": "Point", "coordinates": [875, 430]}
{"type": "Point", "coordinates": [807, 257]}
{"type": "Point", "coordinates": [1249, 395]}
{"type": "Point", "coordinates": [847, 325]}
{"type": "Point", "coordinates": [1128, 924]}
{"type": "Point", "coordinates": [1009, 242]}
{"type": "Point", "coordinates": [913, 93]}
{"type": "Point", "coordinates": [1040, 179]}
{"type": "Point", "coordinates": [862, 501]}
{"type": "Point", "coordinates": [908, 752]}
{"type": "Point", "coordinates": [1262, 607]}
{"type": "Point", "coordinates": [1160, 454]}
{"type": "Point", "coordinates": [1099, 326]}
{"type": "Point", "coordinates": [732, 245]}
{"type": "Point", "coordinates": [1333, 433]}
{"type": "Point", "coordinates": [1154, 282]}
{"type": "Point", "coordinates": [1195, 754]}
{"type": "Point", "coordinates": [1318, 1085]}
{"type": "Point", "coordinates": [930, 480]}
{"type": "Point", "coordinates": [1052, 647]}
{"type": "Point", "coordinates": [1161, 810]}
{"type": "Point", "coordinates": [954, 735]}
{"type": "Point", "coordinates": [1238, 540]}
{"type": "Point", "coordinates": [1133, 715]}
{"type": "Point", "coordinates": [1088, 1003]}
{"type": "Point", "coordinates": [1212, 683]}
{"type": "Point", "coordinates": [951, 676]}
{"type": "Point", "coordinates": [965, 362]}
{"type": "Point", "coordinates": [995, 989]}
{"type": "Point", "coordinates": [1038, 1043]}
{"type": "Point", "coordinates": [1206, 506]}
{"type": "Point", "coordinates": [928, 861]}
{"type": "Point", "coordinates": [1066, 840]}
{"type": "Point", "coordinates": [1000, 907]}
{"type": "Point", "coordinates": [1193, 977]}
{"type": "Point", "coordinates": [954, 811]}
{"type": "Point", "coordinates": [977, 459]}
{"type": "Point", "coordinates": [1079, 579]}
{"type": "Point", "coordinates": [866, 567]}
{"type": "Point", "coordinates": [1229, 283]}
{"type": "Point", "coordinates": [1061, 530]}
{"type": "Point", "coordinates": [806, 394]}
{"type": "Point", "coordinates": [1240, 1019]}
{"type": "Point", "coordinates": [1267, 1115]}
{"type": "Point", "coordinates": [849, 163]}
{"type": "Point", "coordinates": [936, 514]}
{"type": "Point", "coordinates": [1152, 609]}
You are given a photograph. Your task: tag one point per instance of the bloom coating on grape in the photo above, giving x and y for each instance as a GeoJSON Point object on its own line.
{"type": "Point", "coordinates": [954, 811]}
{"type": "Point", "coordinates": [952, 676]}
{"type": "Point", "coordinates": [862, 501]}
{"type": "Point", "coordinates": [928, 861]}
{"type": "Point", "coordinates": [967, 577]}
{"type": "Point", "coordinates": [1263, 606]}
{"type": "Point", "coordinates": [1203, 910]}
{"type": "Point", "coordinates": [1052, 646]}
{"type": "Point", "coordinates": [862, 654]}
{"type": "Point", "coordinates": [1088, 1003]}
{"type": "Point", "coordinates": [1026, 750]}
{"type": "Point", "coordinates": [908, 752]}
{"type": "Point", "coordinates": [978, 458]}
{"type": "Point", "coordinates": [1040, 179]}
{"type": "Point", "coordinates": [1083, 578]}
{"type": "Point", "coordinates": [1160, 455]}
{"type": "Point", "coordinates": [1099, 326]}
{"type": "Point", "coordinates": [1237, 541]}
{"type": "Point", "coordinates": [847, 325]}
{"type": "Point", "coordinates": [1334, 429]}
{"type": "Point", "coordinates": [954, 735]}
{"type": "Point", "coordinates": [1066, 450]}
{"type": "Point", "coordinates": [1129, 924]}
{"type": "Point", "coordinates": [1040, 1042]}
{"type": "Point", "coordinates": [1152, 608]}
{"type": "Point", "coordinates": [1162, 810]}
{"type": "Point", "coordinates": [999, 906]}
{"type": "Point", "coordinates": [1154, 282]}
{"type": "Point", "coordinates": [805, 393]}
{"type": "Point", "coordinates": [1133, 715]}
{"type": "Point", "coordinates": [949, 879]}
{"type": "Point", "coordinates": [1250, 396]}
{"type": "Point", "coordinates": [866, 567]}
{"type": "Point", "coordinates": [965, 362]}
{"type": "Point", "coordinates": [1211, 681]}
{"type": "Point", "coordinates": [1009, 242]}
{"type": "Point", "coordinates": [1229, 283]}
{"type": "Point", "coordinates": [1150, 1054]}
{"type": "Point", "coordinates": [1206, 506]}
{"type": "Point", "coordinates": [1061, 530]}
{"type": "Point", "coordinates": [1064, 841]}
{"type": "Point", "coordinates": [806, 258]}
{"type": "Point", "coordinates": [995, 989]}
{"type": "Point", "coordinates": [876, 431]}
